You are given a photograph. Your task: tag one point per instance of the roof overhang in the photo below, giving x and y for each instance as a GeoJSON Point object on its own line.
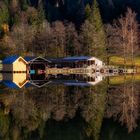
{"type": "Point", "coordinates": [35, 59]}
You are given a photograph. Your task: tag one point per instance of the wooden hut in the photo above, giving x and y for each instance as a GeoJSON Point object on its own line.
{"type": "Point", "coordinates": [14, 71]}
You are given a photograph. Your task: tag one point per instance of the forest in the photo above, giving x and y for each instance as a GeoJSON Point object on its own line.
{"type": "Point", "coordinates": [29, 28]}
{"type": "Point", "coordinates": [107, 29]}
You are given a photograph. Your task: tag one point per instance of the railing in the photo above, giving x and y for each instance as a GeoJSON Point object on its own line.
{"type": "Point", "coordinates": [67, 71]}
{"type": "Point", "coordinates": [1, 65]}
{"type": "Point", "coordinates": [1, 77]}
{"type": "Point", "coordinates": [106, 71]}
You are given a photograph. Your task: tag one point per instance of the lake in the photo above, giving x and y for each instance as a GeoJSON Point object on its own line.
{"type": "Point", "coordinates": [108, 110]}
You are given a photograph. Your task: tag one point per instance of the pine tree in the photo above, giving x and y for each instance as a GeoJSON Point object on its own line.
{"type": "Point", "coordinates": [87, 11]}
{"type": "Point", "coordinates": [24, 5]}
{"type": "Point", "coordinates": [4, 13]}
{"type": "Point", "coordinates": [41, 11]}
{"type": "Point", "coordinates": [95, 33]}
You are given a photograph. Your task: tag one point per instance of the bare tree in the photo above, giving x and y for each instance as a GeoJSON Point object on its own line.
{"type": "Point", "coordinates": [133, 35]}
{"type": "Point", "coordinates": [122, 37]}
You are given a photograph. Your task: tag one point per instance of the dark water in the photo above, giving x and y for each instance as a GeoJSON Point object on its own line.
{"type": "Point", "coordinates": [112, 130]}
{"type": "Point", "coordinates": [60, 112]}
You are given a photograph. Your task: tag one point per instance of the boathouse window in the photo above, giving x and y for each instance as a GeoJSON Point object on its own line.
{"type": "Point", "coordinates": [92, 62]}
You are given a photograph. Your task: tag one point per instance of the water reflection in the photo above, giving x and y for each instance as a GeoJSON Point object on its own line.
{"type": "Point", "coordinates": [112, 130]}
{"type": "Point", "coordinates": [27, 111]}
{"type": "Point", "coordinates": [69, 80]}
{"type": "Point", "coordinates": [39, 113]}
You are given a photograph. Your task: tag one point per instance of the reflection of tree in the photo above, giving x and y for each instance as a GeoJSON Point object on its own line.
{"type": "Point", "coordinates": [24, 112]}
{"type": "Point", "coordinates": [4, 124]}
{"type": "Point", "coordinates": [30, 109]}
{"type": "Point", "coordinates": [66, 130]}
{"type": "Point", "coordinates": [123, 104]}
{"type": "Point", "coordinates": [94, 111]}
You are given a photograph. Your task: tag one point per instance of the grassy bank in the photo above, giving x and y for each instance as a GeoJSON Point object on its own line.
{"type": "Point", "coordinates": [119, 61]}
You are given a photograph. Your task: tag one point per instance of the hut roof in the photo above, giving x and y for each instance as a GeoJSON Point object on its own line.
{"type": "Point", "coordinates": [73, 59]}
{"type": "Point", "coordinates": [29, 59]}
{"type": "Point", "coordinates": [10, 59]}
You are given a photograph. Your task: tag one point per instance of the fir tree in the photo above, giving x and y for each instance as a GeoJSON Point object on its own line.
{"type": "Point", "coordinates": [95, 33]}
{"type": "Point", "coordinates": [41, 12]}
{"type": "Point", "coordinates": [24, 5]}
{"type": "Point", "coordinates": [87, 11]}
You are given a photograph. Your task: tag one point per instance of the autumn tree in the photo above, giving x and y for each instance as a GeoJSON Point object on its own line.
{"type": "Point", "coordinates": [43, 41]}
{"type": "Point", "coordinates": [72, 40]}
{"type": "Point", "coordinates": [33, 16]}
{"type": "Point", "coordinates": [50, 40]}
{"type": "Point", "coordinates": [58, 32]}
{"type": "Point", "coordinates": [14, 7]}
{"type": "Point", "coordinates": [22, 36]}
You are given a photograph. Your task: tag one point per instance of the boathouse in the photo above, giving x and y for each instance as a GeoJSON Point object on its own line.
{"type": "Point", "coordinates": [18, 71]}
{"type": "Point", "coordinates": [76, 79]}
{"type": "Point", "coordinates": [14, 71]}
{"type": "Point", "coordinates": [36, 70]}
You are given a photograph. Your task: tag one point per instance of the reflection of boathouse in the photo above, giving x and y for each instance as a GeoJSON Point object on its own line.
{"type": "Point", "coordinates": [76, 79]}
{"type": "Point", "coordinates": [18, 71]}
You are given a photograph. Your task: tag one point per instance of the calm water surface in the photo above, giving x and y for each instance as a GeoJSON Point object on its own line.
{"type": "Point", "coordinates": [107, 111]}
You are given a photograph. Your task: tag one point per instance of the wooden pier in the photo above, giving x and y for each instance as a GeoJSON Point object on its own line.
{"type": "Point", "coordinates": [67, 71]}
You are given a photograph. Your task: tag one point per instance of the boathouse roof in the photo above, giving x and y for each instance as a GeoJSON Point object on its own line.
{"type": "Point", "coordinates": [29, 59]}
{"type": "Point", "coordinates": [10, 59]}
{"type": "Point", "coordinates": [73, 59]}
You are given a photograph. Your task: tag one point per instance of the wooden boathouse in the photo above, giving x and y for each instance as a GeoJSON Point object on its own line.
{"type": "Point", "coordinates": [14, 71]}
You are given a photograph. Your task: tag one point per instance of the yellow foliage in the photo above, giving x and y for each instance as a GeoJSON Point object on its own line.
{"type": "Point", "coordinates": [5, 28]}
{"type": "Point", "coordinates": [6, 110]}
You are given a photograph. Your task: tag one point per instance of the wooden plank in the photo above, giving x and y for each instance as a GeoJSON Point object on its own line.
{"type": "Point", "coordinates": [1, 66]}
{"type": "Point", "coordinates": [1, 77]}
